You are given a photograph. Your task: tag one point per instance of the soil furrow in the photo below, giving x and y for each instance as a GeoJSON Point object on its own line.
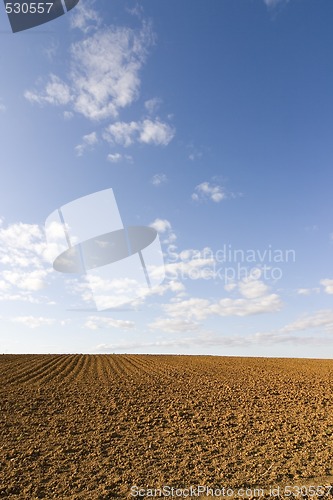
{"type": "Point", "coordinates": [39, 365]}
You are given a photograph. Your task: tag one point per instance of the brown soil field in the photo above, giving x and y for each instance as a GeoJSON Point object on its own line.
{"type": "Point", "coordinates": [92, 426]}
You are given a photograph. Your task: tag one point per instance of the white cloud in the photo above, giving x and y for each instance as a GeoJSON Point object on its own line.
{"type": "Point", "coordinates": [4, 285]}
{"type": "Point", "coordinates": [56, 92]}
{"type": "Point", "coordinates": [33, 280]}
{"type": "Point", "coordinates": [51, 50]}
{"type": "Point", "coordinates": [245, 307]}
{"type": "Point", "coordinates": [118, 292]}
{"type": "Point", "coordinates": [174, 325]}
{"type": "Point", "coordinates": [187, 309]}
{"type": "Point", "coordinates": [160, 344]}
{"type": "Point", "coordinates": [23, 296]}
{"type": "Point", "coordinates": [68, 115]}
{"type": "Point", "coordinates": [229, 287]}
{"type": "Point", "coordinates": [190, 264]}
{"type": "Point", "coordinates": [200, 309]}
{"type": "Point", "coordinates": [156, 132]}
{"type": "Point", "coordinates": [207, 191]}
{"type": "Point", "coordinates": [144, 132]}
{"type": "Point", "coordinates": [252, 289]}
{"type": "Point", "coordinates": [307, 291]}
{"type": "Point", "coordinates": [159, 179]}
{"type": "Point", "coordinates": [194, 153]}
{"type": "Point", "coordinates": [319, 319]}
{"type": "Point", "coordinates": [33, 321]}
{"type": "Point", "coordinates": [328, 285]}
{"type": "Point", "coordinates": [161, 225]}
{"type": "Point", "coordinates": [206, 264]}
{"type": "Point", "coordinates": [118, 157]}
{"type": "Point", "coordinates": [213, 192]}
{"type": "Point", "coordinates": [136, 11]}
{"type": "Point", "coordinates": [121, 133]}
{"type": "Point", "coordinates": [153, 104]}
{"type": "Point", "coordinates": [304, 291]}
{"type": "Point", "coordinates": [193, 269]}
{"type": "Point", "coordinates": [104, 75]}
{"type": "Point", "coordinates": [285, 335]}
{"type": "Point", "coordinates": [111, 293]}
{"type": "Point", "coordinates": [211, 340]}
{"type": "Point", "coordinates": [115, 157]}
{"type": "Point", "coordinates": [194, 156]}
{"type": "Point", "coordinates": [206, 339]}
{"type": "Point", "coordinates": [23, 260]}
{"type": "Point", "coordinates": [175, 286]}
{"type": "Point", "coordinates": [84, 17]}
{"type": "Point", "coordinates": [273, 3]}
{"type": "Point", "coordinates": [88, 141]}
{"type": "Point", "coordinates": [22, 245]}
{"type": "Point", "coordinates": [2, 107]}
{"type": "Point", "coordinates": [96, 322]}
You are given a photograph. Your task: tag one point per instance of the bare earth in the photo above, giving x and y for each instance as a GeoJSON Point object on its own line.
{"type": "Point", "coordinates": [91, 426]}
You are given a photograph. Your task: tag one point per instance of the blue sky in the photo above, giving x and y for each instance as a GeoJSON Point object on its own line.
{"type": "Point", "coordinates": [212, 122]}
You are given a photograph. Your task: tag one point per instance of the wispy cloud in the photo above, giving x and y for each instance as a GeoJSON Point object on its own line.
{"type": "Point", "coordinates": [322, 318]}
{"type": "Point", "coordinates": [164, 228]}
{"type": "Point", "coordinates": [191, 268]}
{"type": "Point", "coordinates": [159, 344]}
{"type": "Point", "coordinates": [328, 285]}
{"type": "Point", "coordinates": [88, 141]}
{"type": "Point", "coordinates": [144, 132]}
{"type": "Point", "coordinates": [208, 191]}
{"type": "Point", "coordinates": [161, 225]}
{"type": "Point", "coordinates": [274, 3]}
{"type": "Point", "coordinates": [118, 157]}
{"type": "Point", "coordinates": [22, 246]}
{"type": "Point", "coordinates": [115, 293]}
{"type": "Point", "coordinates": [68, 115]}
{"type": "Point", "coordinates": [184, 315]}
{"type": "Point", "coordinates": [32, 281]}
{"type": "Point", "coordinates": [33, 321]}
{"type": "Point", "coordinates": [194, 153]}
{"type": "Point", "coordinates": [252, 288]}
{"type": "Point", "coordinates": [23, 260]}
{"type": "Point", "coordinates": [51, 50]}
{"type": "Point", "coordinates": [2, 107]}
{"type": "Point", "coordinates": [159, 179]}
{"type": "Point", "coordinates": [199, 309]}
{"type": "Point", "coordinates": [56, 92]}
{"type": "Point", "coordinates": [104, 75]}
{"type": "Point", "coordinates": [174, 325]}
{"type": "Point", "coordinates": [318, 328]}
{"type": "Point", "coordinates": [152, 105]}
{"type": "Point", "coordinates": [211, 340]}
{"type": "Point", "coordinates": [307, 291]}
{"type": "Point", "coordinates": [285, 335]}
{"type": "Point", "coordinates": [97, 322]}
{"type": "Point", "coordinates": [85, 17]}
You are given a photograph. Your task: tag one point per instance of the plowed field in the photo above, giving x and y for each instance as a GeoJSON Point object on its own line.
{"type": "Point", "coordinates": [92, 426]}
